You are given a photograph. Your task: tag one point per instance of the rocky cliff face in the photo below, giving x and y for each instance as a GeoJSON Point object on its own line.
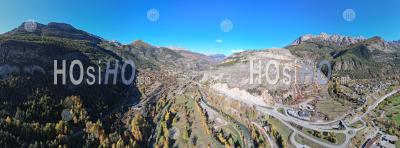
{"type": "Point", "coordinates": [337, 40]}
{"type": "Point", "coordinates": [245, 74]}
{"type": "Point", "coordinates": [354, 56]}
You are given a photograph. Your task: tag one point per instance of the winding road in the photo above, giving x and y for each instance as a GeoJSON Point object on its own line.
{"type": "Point", "coordinates": [320, 126]}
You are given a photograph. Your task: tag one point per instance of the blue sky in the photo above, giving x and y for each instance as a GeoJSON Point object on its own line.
{"type": "Point", "coordinates": [195, 24]}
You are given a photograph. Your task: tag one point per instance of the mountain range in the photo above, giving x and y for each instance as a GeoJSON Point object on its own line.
{"type": "Point", "coordinates": [357, 57]}
{"type": "Point", "coordinates": [29, 96]}
{"type": "Point", "coordinates": [22, 51]}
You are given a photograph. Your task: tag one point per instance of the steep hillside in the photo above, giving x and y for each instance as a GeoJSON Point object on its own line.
{"type": "Point", "coordinates": [42, 112]}
{"type": "Point", "coordinates": [356, 57]}
{"type": "Point", "coordinates": [37, 112]}
{"type": "Point", "coordinates": [161, 58]}
{"type": "Point", "coordinates": [245, 74]}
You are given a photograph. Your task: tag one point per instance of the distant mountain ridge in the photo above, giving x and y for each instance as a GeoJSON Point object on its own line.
{"type": "Point", "coordinates": [141, 52]}
{"type": "Point", "coordinates": [216, 58]}
{"type": "Point", "coordinates": [336, 39]}
{"type": "Point", "coordinates": [54, 29]}
{"type": "Point", "coordinates": [345, 52]}
{"type": "Point", "coordinates": [21, 48]}
{"type": "Point", "coordinates": [355, 56]}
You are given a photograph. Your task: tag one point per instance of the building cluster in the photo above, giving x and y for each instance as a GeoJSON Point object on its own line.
{"type": "Point", "coordinates": [386, 141]}
{"type": "Point", "coordinates": [373, 87]}
{"type": "Point", "coordinates": [300, 114]}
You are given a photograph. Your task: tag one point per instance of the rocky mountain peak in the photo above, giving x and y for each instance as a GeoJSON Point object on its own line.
{"type": "Point", "coordinates": [140, 43]}
{"type": "Point", "coordinates": [54, 29]}
{"type": "Point", "coordinates": [324, 37]}
{"type": "Point", "coordinates": [61, 26]}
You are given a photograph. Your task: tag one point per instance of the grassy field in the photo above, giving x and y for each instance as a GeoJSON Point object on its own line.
{"type": "Point", "coordinates": [391, 107]}
{"type": "Point", "coordinates": [197, 137]}
{"type": "Point", "coordinates": [300, 139]}
{"type": "Point", "coordinates": [360, 137]}
{"type": "Point", "coordinates": [331, 108]}
{"type": "Point", "coordinates": [340, 137]}
{"type": "Point", "coordinates": [357, 124]}
{"type": "Point", "coordinates": [390, 119]}
{"type": "Point", "coordinates": [281, 110]}
{"type": "Point", "coordinates": [199, 130]}
{"type": "Point", "coordinates": [396, 118]}
{"type": "Point", "coordinates": [281, 128]}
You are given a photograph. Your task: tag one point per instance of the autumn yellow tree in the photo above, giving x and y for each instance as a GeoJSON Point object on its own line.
{"type": "Point", "coordinates": [97, 131]}
{"type": "Point", "coordinates": [79, 113]}
{"type": "Point", "coordinates": [8, 120]}
{"type": "Point", "coordinates": [139, 127]}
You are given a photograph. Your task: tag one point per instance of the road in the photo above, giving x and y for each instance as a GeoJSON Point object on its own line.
{"type": "Point", "coordinates": [376, 103]}
{"type": "Point", "coordinates": [271, 143]}
{"type": "Point", "coordinates": [288, 120]}
{"type": "Point", "coordinates": [272, 111]}
{"type": "Point", "coordinates": [306, 136]}
{"type": "Point", "coordinates": [283, 119]}
{"type": "Point", "coordinates": [320, 126]}
{"type": "Point", "coordinates": [295, 143]}
{"type": "Point", "coordinates": [246, 133]}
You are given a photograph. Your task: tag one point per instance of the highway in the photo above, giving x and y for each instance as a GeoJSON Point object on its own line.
{"type": "Point", "coordinates": [295, 143]}
{"type": "Point", "coordinates": [287, 120]}
{"type": "Point", "coordinates": [320, 126]}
